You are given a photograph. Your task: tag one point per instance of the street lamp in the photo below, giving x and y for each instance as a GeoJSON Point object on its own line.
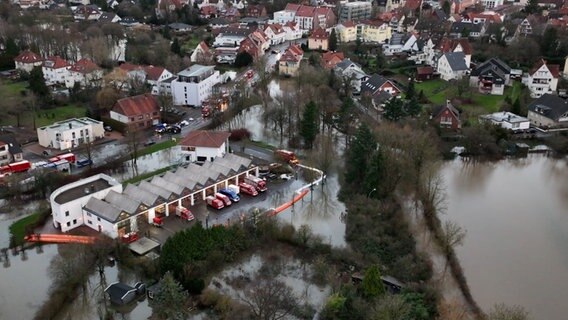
{"type": "Point", "coordinates": [369, 195]}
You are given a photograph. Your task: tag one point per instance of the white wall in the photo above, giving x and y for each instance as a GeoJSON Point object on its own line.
{"type": "Point", "coordinates": [193, 94]}
{"type": "Point", "coordinates": [48, 137]}
{"type": "Point", "coordinates": [204, 152]}
{"type": "Point", "coordinates": [75, 207]}
{"type": "Point", "coordinates": [118, 117]}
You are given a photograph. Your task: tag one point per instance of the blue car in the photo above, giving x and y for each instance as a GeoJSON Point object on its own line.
{"type": "Point", "coordinates": [230, 194]}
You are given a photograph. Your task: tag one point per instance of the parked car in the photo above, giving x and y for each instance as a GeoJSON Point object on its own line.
{"type": "Point", "coordinates": [183, 123]}
{"type": "Point", "coordinates": [108, 128]}
{"type": "Point", "coordinates": [149, 143]}
{"type": "Point", "coordinates": [83, 162]}
{"type": "Point", "coordinates": [174, 129]}
{"type": "Point", "coordinates": [285, 176]}
{"type": "Point", "coordinates": [233, 196]}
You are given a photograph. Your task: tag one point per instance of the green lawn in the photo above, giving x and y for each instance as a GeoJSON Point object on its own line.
{"type": "Point", "coordinates": [437, 91]}
{"type": "Point", "coordinates": [190, 44]}
{"type": "Point", "coordinates": [157, 147]}
{"type": "Point", "coordinates": [12, 88]}
{"type": "Point", "coordinates": [49, 116]}
{"type": "Point", "coordinates": [18, 228]}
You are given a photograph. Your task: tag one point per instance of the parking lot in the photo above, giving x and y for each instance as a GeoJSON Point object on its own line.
{"type": "Point", "coordinates": [279, 191]}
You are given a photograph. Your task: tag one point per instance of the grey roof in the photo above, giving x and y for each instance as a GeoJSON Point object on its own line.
{"type": "Point", "coordinates": [13, 145]}
{"type": "Point", "coordinates": [456, 60]}
{"type": "Point", "coordinates": [170, 186]}
{"type": "Point", "coordinates": [437, 110]}
{"type": "Point", "coordinates": [382, 97]}
{"type": "Point", "coordinates": [181, 180]}
{"type": "Point", "coordinates": [373, 84]}
{"type": "Point", "coordinates": [441, 14]}
{"type": "Point", "coordinates": [118, 292]}
{"type": "Point", "coordinates": [179, 25]}
{"type": "Point", "coordinates": [144, 196]}
{"type": "Point", "coordinates": [164, 193]}
{"type": "Point", "coordinates": [550, 106]}
{"type": "Point", "coordinates": [218, 21]}
{"type": "Point", "coordinates": [459, 27]}
{"type": "Point", "coordinates": [107, 17]}
{"type": "Point", "coordinates": [494, 68]}
{"type": "Point", "coordinates": [102, 209]}
{"type": "Point", "coordinates": [345, 64]}
{"type": "Point", "coordinates": [122, 202]}
{"type": "Point", "coordinates": [397, 38]}
{"type": "Point", "coordinates": [195, 70]}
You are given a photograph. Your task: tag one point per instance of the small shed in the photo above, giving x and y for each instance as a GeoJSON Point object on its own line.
{"type": "Point", "coordinates": [121, 294]}
{"type": "Point", "coordinates": [424, 73]}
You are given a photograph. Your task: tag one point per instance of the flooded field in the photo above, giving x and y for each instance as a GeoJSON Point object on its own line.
{"type": "Point", "coordinates": [516, 215]}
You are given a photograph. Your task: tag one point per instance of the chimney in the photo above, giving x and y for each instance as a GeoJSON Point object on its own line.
{"type": "Point", "coordinates": [87, 191]}
{"type": "Point", "coordinates": [70, 125]}
{"type": "Point", "coordinates": [92, 188]}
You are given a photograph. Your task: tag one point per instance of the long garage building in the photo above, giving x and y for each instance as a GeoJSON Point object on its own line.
{"type": "Point", "coordinates": [101, 203]}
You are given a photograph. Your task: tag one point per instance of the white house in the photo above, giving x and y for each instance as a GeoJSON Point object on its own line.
{"type": "Point", "coordinates": [201, 53]}
{"type": "Point", "coordinates": [70, 133]}
{"type": "Point", "coordinates": [542, 78]}
{"type": "Point", "coordinates": [292, 30]}
{"type": "Point", "coordinates": [194, 85]}
{"type": "Point", "coordinates": [507, 120]}
{"type": "Point", "coordinates": [548, 111]}
{"type": "Point", "coordinates": [350, 71]}
{"type": "Point", "coordinates": [68, 201]}
{"type": "Point", "coordinates": [84, 72]}
{"type": "Point", "coordinates": [27, 60]}
{"type": "Point", "coordinates": [286, 15]}
{"type": "Point", "coordinates": [159, 78]}
{"type": "Point", "coordinates": [452, 65]}
{"type": "Point", "coordinates": [55, 70]}
{"type": "Point", "coordinates": [275, 33]}
{"type": "Point", "coordinates": [202, 145]}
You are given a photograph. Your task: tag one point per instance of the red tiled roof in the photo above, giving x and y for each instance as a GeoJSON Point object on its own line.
{"type": "Point", "coordinates": [203, 138]}
{"type": "Point", "coordinates": [2, 143]}
{"type": "Point", "coordinates": [348, 24]}
{"type": "Point", "coordinates": [276, 28]}
{"type": "Point", "coordinates": [553, 68]}
{"type": "Point", "coordinates": [153, 73]}
{"type": "Point", "coordinates": [375, 23]}
{"type": "Point", "coordinates": [291, 24]}
{"type": "Point", "coordinates": [84, 66]}
{"type": "Point", "coordinates": [449, 45]}
{"type": "Point", "coordinates": [129, 67]}
{"type": "Point", "coordinates": [305, 11]}
{"type": "Point", "coordinates": [412, 4]}
{"type": "Point", "coordinates": [55, 62]}
{"type": "Point", "coordinates": [330, 59]}
{"type": "Point", "coordinates": [28, 57]}
{"type": "Point", "coordinates": [292, 7]}
{"type": "Point", "coordinates": [324, 11]}
{"type": "Point", "coordinates": [424, 70]}
{"type": "Point", "coordinates": [292, 54]}
{"type": "Point", "coordinates": [319, 34]}
{"type": "Point", "coordinates": [204, 47]}
{"type": "Point", "coordinates": [208, 10]}
{"type": "Point", "coordinates": [137, 105]}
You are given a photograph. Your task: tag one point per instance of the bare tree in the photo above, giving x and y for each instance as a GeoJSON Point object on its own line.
{"type": "Point", "coordinates": [269, 298]}
{"type": "Point", "coordinates": [452, 310]}
{"type": "Point", "coordinates": [133, 141]}
{"type": "Point", "coordinates": [391, 307]}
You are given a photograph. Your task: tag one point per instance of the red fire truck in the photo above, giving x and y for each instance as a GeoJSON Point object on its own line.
{"type": "Point", "coordinates": [184, 213]}
{"type": "Point", "coordinates": [248, 189]}
{"type": "Point", "coordinates": [214, 202]}
{"type": "Point", "coordinates": [256, 182]}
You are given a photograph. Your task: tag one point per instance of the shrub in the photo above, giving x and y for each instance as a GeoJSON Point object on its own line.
{"type": "Point", "coordinates": [240, 134]}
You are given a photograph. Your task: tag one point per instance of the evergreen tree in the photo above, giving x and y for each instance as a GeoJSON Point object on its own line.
{"type": "Point", "coordinates": [37, 83]}
{"type": "Point", "coordinates": [410, 91]}
{"type": "Point", "coordinates": [170, 300]}
{"type": "Point", "coordinates": [413, 107]}
{"type": "Point", "coordinates": [175, 47]}
{"type": "Point", "coordinates": [372, 285]}
{"type": "Point", "coordinates": [309, 124]}
{"type": "Point", "coordinates": [394, 110]}
{"type": "Point", "coordinates": [380, 61]}
{"type": "Point", "coordinates": [332, 41]}
{"type": "Point", "coordinates": [375, 174]}
{"type": "Point", "coordinates": [360, 150]}
{"type": "Point", "coordinates": [243, 59]}
{"type": "Point", "coordinates": [549, 43]}
{"type": "Point", "coordinates": [446, 7]}
{"type": "Point", "coordinates": [531, 7]}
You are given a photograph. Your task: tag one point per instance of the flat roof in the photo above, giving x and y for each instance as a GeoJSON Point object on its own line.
{"type": "Point", "coordinates": [143, 246]}
{"type": "Point", "coordinates": [73, 122]}
{"type": "Point", "coordinates": [195, 70]}
{"type": "Point", "coordinates": [505, 116]}
{"type": "Point", "coordinates": [79, 191]}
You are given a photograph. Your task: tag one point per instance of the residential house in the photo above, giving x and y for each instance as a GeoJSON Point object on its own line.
{"type": "Point", "coordinates": [194, 84]}
{"type": "Point", "coordinates": [178, 27]}
{"type": "Point", "coordinates": [542, 78]}
{"type": "Point", "coordinates": [231, 36]}
{"type": "Point", "coordinates": [292, 30]}
{"type": "Point", "coordinates": [389, 5]}
{"type": "Point", "coordinates": [70, 133]}
{"type": "Point", "coordinates": [346, 31]}
{"type": "Point", "coordinates": [120, 293]}
{"type": "Point", "coordinates": [165, 8]}
{"type": "Point", "coordinates": [452, 66]}
{"type": "Point", "coordinates": [394, 45]}
{"type": "Point", "coordinates": [255, 10]}
{"type": "Point", "coordinates": [548, 111]}
{"type": "Point", "coordinates": [433, 49]}
{"type": "Point", "coordinates": [491, 76]}
{"type": "Point", "coordinates": [231, 13]}
{"type": "Point", "coordinates": [467, 29]}
{"type": "Point", "coordinates": [202, 54]}
{"type": "Point", "coordinates": [524, 29]}
{"type": "Point", "coordinates": [256, 44]}
{"type": "Point", "coordinates": [457, 6]}
{"type": "Point", "coordinates": [490, 4]}
{"type": "Point", "coordinates": [55, 70]}
{"type": "Point", "coordinates": [218, 23]}
{"type": "Point", "coordinates": [202, 145]}
{"type": "Point", "coordinates": [506, 120]}
{"type": "Point", "coordinates": [10, 150]}
{"type": "Point", "coordinates": [275, 33]}
{"type": "Point", "coordinates": [27, 60]}
{"type": "Point", "coordinates": [318, 40]}
{"type": "Point", "coordinates": [208, 12]}
{"type": "Point", "coordinates": [424, 73]}
{"type": "Point", "coordinates": [137, 113]}
{"type": "Point", "coordinates": [446, 116]}
{"type": "Point", "coordinates": [159, 78]}
{"type": "Point", "coordinates": [330, 59]}
{"type": "Point", "coordinates": [109, 17]}
{"type": "Point", "coordinates": [355, 11]}
{"type": "Point", "coordinates": [289, 62]}
{"type": "Point", "coordinates": [375, 31]}
{"type": "Point", "coordinates": [87, 13]}
{"type": "Point", "coordinates": [307, 17]}
{"type": "Point", "coordinates": [376, 86]}
{"type": "Point", "coordinates": [352, 72]}
{"type": "Point", "coordinates": [84, 72]}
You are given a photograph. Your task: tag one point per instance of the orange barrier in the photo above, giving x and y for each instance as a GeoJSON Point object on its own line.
{"type": "Point", "coordinates": [59, 238]}
{"type": "Point", "coordinates": [288, 204]}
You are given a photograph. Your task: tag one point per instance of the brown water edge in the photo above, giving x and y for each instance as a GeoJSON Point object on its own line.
{"type": "Point", "coordinates": [442, 277]}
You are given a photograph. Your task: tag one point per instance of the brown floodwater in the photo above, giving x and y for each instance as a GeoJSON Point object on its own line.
{"type": "Point", "coordinates": [516, 215]}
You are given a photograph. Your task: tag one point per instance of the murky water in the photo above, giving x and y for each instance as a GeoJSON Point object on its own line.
{"type": "Point", "coordinates": [516, 216]}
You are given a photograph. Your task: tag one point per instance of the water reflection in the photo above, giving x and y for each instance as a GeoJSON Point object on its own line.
{"type": "Point", "coordinates": [516, 214]}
